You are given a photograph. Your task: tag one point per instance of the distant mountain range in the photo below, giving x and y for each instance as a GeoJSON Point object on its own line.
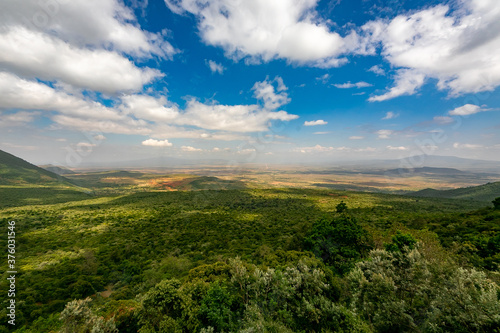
{"type": "Point", "coordinates": [421, 162]}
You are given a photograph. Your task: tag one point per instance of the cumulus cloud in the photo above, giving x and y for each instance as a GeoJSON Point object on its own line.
{"type": "Point", "coordinates": [77, 22]}
{"type": "Point", "coordinates": [190, 149]}
{"type": "Point", "coordinates": [238, 118]}
{"type": "Point", "coordinates": [315, 122]}
{"type": "Point", "coordinates": [73, 45]}
{"type": "Point", "coordinates": [156, 143]}
{"type": "Point", "coordinates": [18, 93]}
{"type": "Point", "coordinates": [355, 137]}
{"type": "Point", "coordinates": [314, 149]}
{"type": "Point", "coordinates": [458, 145]}
{"type": "Point", "coordinates": [406, 83]}
{"type": "Point", "coordinates": [349, 85]}
{"type": "Point", "coordinates": [267, 30]}
{"type": "Point", "coordinates": [390, 115]}
{"type": "Point", "coordinates": [149, 108]}
{"type": "Point", "coordinates": [272, 97]}
{"type": "Point", "coordinates": [384, 134]}
{"type": "Point", "coordinates": [400, 148]}
{"type": "Point", "coordinates": [321, 149]}
{"type": "Point", "coordinates": [460, 49]}
{"type": "Point", "coordinates": [377, 70]}
{"type": "Point", "coordinates": [215, 67]}
{"type": "Point", "coordinates": [37, 55]}
{"type": "Point", "coordinates": [465, 110]}
{"type": "Point", "coordinates": [20, 118]}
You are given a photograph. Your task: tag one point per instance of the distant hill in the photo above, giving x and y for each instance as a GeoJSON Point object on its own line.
{"type": "Point", "coordinates": [423, 170]}
{"type": "Point", "coordinates": [16, 171]}
{"type": "Point", "coordinates": [57, 170]}
{"type": "Point", "coordinates": [425, 161]}
{"type": "Point", "coordinates": [202, 183]}
{"type": "Point", "coordinates": [486, 192]}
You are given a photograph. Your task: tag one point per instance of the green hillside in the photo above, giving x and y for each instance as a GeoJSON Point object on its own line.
{"type": "Point", "coordinates": [16, 171]}
{"type": "Point", "coordinates": [486, 192]}
{"type": "Point", "coordinates": [22, 183]}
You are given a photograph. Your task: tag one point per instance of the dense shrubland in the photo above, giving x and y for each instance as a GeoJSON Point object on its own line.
{"type": "Point", "coordinates": [284, 260]}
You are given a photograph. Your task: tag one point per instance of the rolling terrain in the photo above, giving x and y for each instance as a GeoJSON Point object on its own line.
{"type": "Point", "coordinates": [211, 239]}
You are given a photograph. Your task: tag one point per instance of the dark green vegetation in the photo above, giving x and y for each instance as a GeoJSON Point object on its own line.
{"type": "Point", "coordinates": [486, 192]}
{"type": "Point", "coordinates": [141, 255]}
{"type": "Point", "coordinates": [175, 249]}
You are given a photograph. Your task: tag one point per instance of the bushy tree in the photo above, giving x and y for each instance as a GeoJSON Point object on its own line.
{"type": "Point", "coordinates": [340, 242]}
{"type": "Point", "coordinates": [160, 307]}
{"type": "Point", "coordinates": [218, 308]}
{"type": "Point", "coordinates": [404, 292]}
{"type": "Point", "coordinates": [496, 203]}
{"type": "Point", "coordinates": [78, 317]}
{"type": "Point", "coordinates": [401, 243]}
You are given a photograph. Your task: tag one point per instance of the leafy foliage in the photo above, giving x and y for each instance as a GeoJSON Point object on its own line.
{"type": "Point", "coordinates": [496, 203]}
{"type": "Point", "coordinates": [401, 243]}
{"type": "Point", "coordinates": [339, 242]}
{"type": "Point", "coordinates": [174, 250]}
{"type": "Point", "coordinates": [404, 292]}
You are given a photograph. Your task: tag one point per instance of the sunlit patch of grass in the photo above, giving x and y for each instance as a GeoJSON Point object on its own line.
{"type": "Point", "coordinates": [43, 261]}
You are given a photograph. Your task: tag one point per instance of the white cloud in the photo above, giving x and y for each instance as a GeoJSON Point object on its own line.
{"type": "Point", "coordinates": [20, 118]}
{"type": "Point", "coordinates": [215, 67]}
{"type": "Point", "coordinates": [314, 149]}
{"type": "Point", "coordinates": [384, 134]}
{"type": "Point", "coordinates": [354, 137]}
{"type": "Point", "coordinates": [461, 49]}
{"type": "Point", "coordinates": [458, 145]}
{"type": "Point", "coordinates": [465, 110]}
{"type": "Point", "coordinates": [237, 118]}
{"type": "Point", "coordinates": [315, 122]}
{"type": "Point", "coordinates": [17, 93]}
{"type": "Point", "coordinates": [149, 108]}
{"type": "Point", "coordinates": [323, 78]}
{"type": "Point", "coordinates": [247, 151]}
{"type": "Point", "coordinates": [390, 115]}
{"type": "Point", "coordinates": [400, 148]}
{"type": "Point", "coordinates": [99, 137]}
{"type": "Point", "coordinates": [266, 92]}
{"type": "Point", "coordinates": [377, 70]}
{"type": "Point", "coordinates": [321, 133]}
{"type": "Point", "coordinates": [77, 22]}
{"type": "Point", "coordinates": [367, 149]}
{"type": "Point", "coordinates": [406, 83]}
{"type": "Point", "coordinates": [156, 143]}
{"type": "Point", "coordinates": [190, 149]}
{"type": "Point", "coordinates": [442, 120]}
{"type": "Point", "coordinates": [38, 55]}
{"type": "Point", "coordinates": [123, 126]}
{"type": "Point", "coordinates": [267, 30]}
{"type": "Point", "coordinates": [349, 85]}
{"type": "Point", "coordinates": [85, 144]}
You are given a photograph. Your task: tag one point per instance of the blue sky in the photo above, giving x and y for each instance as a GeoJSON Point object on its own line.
{"type": "Point", "coordinates": [249, 81]}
